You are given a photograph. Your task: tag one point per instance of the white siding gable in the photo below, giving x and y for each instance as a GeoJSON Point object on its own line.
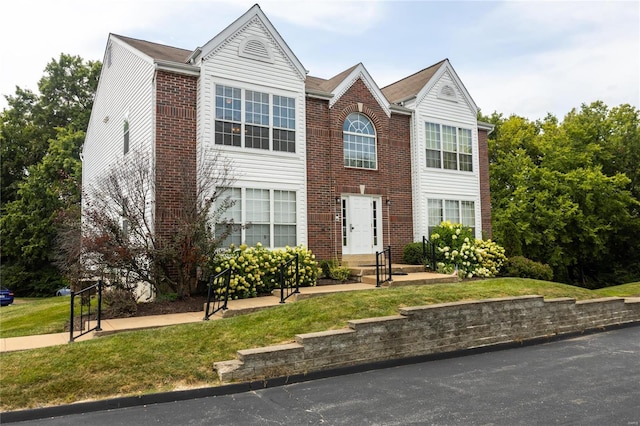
{"type": "Point", "coordinates": [445, 101]}
{"type": "Point", "coordinates": [125, 92]}
{"type": "Point", "coordinates": [251, 56]}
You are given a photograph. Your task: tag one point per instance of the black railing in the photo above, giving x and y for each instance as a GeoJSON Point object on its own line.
{"type": "Point", "coordinates": [429, 254]}
{"type": "Point", "coordinates": [218, 293]}
{"type": "Point", "coordinates": [86, 295]}
{"type": "Point", "coordinates": [289, 279]}
{"type": "Point", "coordinates": [383, 266]}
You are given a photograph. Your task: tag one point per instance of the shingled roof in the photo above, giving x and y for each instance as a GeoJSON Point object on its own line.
{"type": "Point", "coordinates": [157, 51]}
{"type": "Point", "coordinates": [410, 86]}
{"type": "Point", "coordinates": [317, 84]}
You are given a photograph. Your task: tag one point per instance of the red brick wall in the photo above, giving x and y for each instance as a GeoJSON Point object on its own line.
{"type": "Point", "coordinates": [485, 192]}
{"type": "Point", "coordinates": [327, 178]}
{"type": "Point", "coordinates": [176, 97]}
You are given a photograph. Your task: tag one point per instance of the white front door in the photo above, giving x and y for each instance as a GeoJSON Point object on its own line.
{"type": "Point", "coordinates": [361, 224]}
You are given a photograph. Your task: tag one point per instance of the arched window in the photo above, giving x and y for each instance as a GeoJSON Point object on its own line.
{"type": "Point", "coordinates": [359, 137]}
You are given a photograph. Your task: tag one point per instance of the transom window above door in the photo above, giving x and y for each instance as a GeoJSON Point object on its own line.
{"type": "Point", "coordinates": [359, 137]}
{"type": "Point", "coordinates": [253, 119]}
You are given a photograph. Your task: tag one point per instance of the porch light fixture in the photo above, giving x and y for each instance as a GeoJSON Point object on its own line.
{"type": "Point", "coordinates": [337, 200]}
{"type": "Point", "coordinates": [388, 201]}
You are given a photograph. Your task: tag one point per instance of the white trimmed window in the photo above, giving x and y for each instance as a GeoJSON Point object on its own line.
{"type": "Point", "coordinates": [252, 119]}
{"type": "Point", "coordinates": [448, 147]}
{"type": "Point", "coordinates": [454, 211]}
{"type": "Point", "coordinates": [268, 217]}
{"type": "Point", "coordinates": [359, 142]}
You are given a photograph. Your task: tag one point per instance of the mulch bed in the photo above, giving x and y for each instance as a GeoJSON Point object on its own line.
{"type": "Point", "coordinates": [194, 303]}
{"type": "Point", "coordinates": [187, 304]}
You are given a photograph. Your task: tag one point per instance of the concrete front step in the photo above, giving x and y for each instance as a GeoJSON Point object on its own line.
{"type": "Point", "coordinates": [361, 271]}
{"type": "Point", "coordinates": [417, 278]}
{"type": "Point", "coordinates": [356, 260]}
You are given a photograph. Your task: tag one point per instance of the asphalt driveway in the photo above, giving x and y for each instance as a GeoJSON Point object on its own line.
{"type": "Point", "coordinates": [589, 380]}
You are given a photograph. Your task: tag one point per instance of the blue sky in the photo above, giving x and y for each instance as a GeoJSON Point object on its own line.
{"type": "Point", "coordinates": [527, 58]}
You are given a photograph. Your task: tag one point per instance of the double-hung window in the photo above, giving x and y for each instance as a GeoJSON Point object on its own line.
{"type": "Point", "coordinates": [263, 216]}
{"type": "Point", "coordinates": [448, 147]}
{"type": "Point", "coordinates": [253, 119]}
{"type": "Point", "coordinates": [454, 211]}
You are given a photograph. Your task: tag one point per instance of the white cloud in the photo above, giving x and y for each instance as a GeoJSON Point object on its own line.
{"type": "Point", "coordinates": [591, 52]}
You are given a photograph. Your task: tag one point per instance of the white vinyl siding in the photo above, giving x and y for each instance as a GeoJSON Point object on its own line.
{"type": "Point", "coordinates": [437, 123]}
{"type": "Point", "coordinates": [283, 165]}
{"type": "Point", "coordinates": [122, 116]}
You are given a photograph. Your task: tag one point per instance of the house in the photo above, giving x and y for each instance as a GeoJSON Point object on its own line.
{"type": "Point", "coordinates": [339, 165]}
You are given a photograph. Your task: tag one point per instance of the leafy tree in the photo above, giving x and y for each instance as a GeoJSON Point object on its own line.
{"type": "Point", "coordinates": [566, 194]}
{"type": "Point", "coordinates": [40, 139]}
{"type": "Point", "coordinates": [29, 223]}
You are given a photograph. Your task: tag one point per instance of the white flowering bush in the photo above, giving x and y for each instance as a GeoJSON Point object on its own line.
{"type": "Point", "coordinates": [457, 249]}
{"type": "Point", "coordinates": [256, 269]}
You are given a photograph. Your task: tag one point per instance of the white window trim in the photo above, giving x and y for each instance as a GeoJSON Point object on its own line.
{"type": "Point", "coordinates": [272, 223]}
{"type": "Point", "coordinates": [457, 126]}
{"type": "Point", "coordinates": [375, 142]}
{"type": "Point", "coordinates": [256, 88]}
{"type": "Point", "coordinates": [444, 198]}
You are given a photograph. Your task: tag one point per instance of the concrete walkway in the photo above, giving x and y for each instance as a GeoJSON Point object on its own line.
{"type": "Point", "coordinates": [110, 326]}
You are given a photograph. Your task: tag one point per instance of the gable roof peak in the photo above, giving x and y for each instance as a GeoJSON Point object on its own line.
{"type": "Point", "coordinates": [237, 26]}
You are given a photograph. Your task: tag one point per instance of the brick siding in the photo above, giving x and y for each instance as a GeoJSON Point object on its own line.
{"type": "Point", "coordinates": [175, 148]}
{"type": "Point", "coordinates": [485, 191]}
{"type": "Point", "coordinates": [328, 178]}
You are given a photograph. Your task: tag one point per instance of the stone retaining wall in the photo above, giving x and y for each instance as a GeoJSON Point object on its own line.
{"type": "Point", "coordinates": [425, 330]}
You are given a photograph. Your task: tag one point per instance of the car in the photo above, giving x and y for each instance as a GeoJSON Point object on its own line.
{"type": "Point", "coordinates": [6, 296]}
{"type": "Point", "coordinates": [64, 291]}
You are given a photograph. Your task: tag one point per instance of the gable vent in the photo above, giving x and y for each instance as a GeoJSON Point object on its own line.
{"type": "Point", "coordinates": [255, 48]}
{"type": "Point", "coordinates": [447, 92]}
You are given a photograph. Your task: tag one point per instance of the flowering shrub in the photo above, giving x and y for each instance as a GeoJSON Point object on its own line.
{"type": "Point", "coordinates": [457, 248]}
{"type": "Point", "coordinates": [256, 269]}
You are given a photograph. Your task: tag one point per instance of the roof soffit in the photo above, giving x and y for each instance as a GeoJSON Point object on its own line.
{"type": "Point", "coordinates": [360, 72]}
{"type": "Point", "coordinates": [252, 17]}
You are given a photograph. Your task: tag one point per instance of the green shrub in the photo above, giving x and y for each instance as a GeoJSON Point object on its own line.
{"type": "Point", "coordinates": [520, 266]}
{"type": "Point", "coordinates": [456, 248]}
{"type": "Point", "coordinates": [412, 254]}
{"type": "Point", "coordinates": [326, 265]}
{"type": "Point", "coordinates": [340, 273]}
{"type": "Point", "coordinates": [256, 269]}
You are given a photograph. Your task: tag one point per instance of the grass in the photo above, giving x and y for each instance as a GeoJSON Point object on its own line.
{"type": "Point", "coordinates": [180, 357]}
{"type": "Point", "coordinates": [27, 317]}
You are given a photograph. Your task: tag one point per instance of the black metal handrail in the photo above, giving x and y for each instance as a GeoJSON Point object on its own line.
{"type": "Point", "coordinates": [429, 253]}
{"type": "Point", "coordinates": [383, 266]}
{"type": "Point", "coordinates": [218, 293]}
{"type": "Point", "coordinates": [289, 279]}
{"type": "Point", "coordinates": [85, 316]}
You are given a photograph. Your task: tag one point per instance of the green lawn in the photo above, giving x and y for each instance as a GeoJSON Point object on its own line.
{"type": "Point", "coordinates": [182, 356]}
{"type": "Point", "coordinates": [34, 316]}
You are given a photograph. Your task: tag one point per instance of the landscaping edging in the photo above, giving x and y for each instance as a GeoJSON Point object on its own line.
{"type": "Point", "coordinates": [425, 330]}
